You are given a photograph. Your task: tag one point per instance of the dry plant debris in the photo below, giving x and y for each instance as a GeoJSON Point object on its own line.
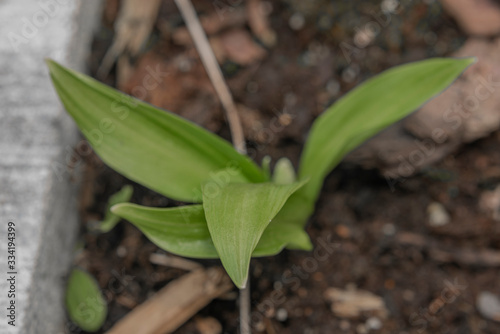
{"type": "Point", "coordinates": [176, 303]}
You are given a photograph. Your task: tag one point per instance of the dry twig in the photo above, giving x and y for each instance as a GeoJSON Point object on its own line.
{"type": "Point", "coordinates": [214, 72]}
{"type": "Point", "coordinates": [174, 262]}
{"type": "Point", "coordinates": [175, 303]}
{"type": "Point", "coordinates": [133, 27]}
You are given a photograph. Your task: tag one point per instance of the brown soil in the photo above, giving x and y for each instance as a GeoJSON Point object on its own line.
{"type": "Point", "coordinates": [379, 230]}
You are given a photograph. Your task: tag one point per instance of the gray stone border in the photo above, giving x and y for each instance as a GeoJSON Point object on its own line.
{"type": "Point", "coordinates": [37, 193]}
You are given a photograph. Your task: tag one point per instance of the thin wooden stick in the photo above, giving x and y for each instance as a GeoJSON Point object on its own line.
{"type": "Point", "coordinates": [173, 305]}
{"type": "Point", "coordinates": [174, 262]}
{"type": "Point", "coordinates": [214, 72]}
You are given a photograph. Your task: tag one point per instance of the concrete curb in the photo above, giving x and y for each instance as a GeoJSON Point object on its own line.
{"type": "Point", "coordinates": [36, 137]}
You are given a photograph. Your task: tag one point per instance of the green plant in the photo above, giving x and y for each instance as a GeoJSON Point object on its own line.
{"type": "Point", "coordinates": [244, 211]}
{"type": "Point", "coordinates": [110, 219]}
{"type": "Point", "coordinates": [84, 302]}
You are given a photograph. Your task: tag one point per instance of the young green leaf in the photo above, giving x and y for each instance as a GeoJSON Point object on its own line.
{"type": "Point", "coordinates": [184, 231]}
{"type": "Point", "coordinates": [281, 233]}
{"type": "Point", "coordinates": [110, 219]}
{"type": "Point", "coordinates": [237, 215]}
{"type": "Point", "coordinates": [368, 109]}
{"type": "Point", "coordinates": [153, 147]}
{"type": "Point", "coordinates": [84, 302]}
{"type": "Point", "coordinates": [266, 166]}
{"type": "Point", "coordinates": [284, 172]}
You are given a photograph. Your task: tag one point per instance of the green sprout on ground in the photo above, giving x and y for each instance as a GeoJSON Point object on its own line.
{"type": "Point", "coordinates": [239, 210]}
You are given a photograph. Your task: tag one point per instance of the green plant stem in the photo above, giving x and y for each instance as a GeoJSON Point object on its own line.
{"type": "Point", "coordinates": [245, 309]}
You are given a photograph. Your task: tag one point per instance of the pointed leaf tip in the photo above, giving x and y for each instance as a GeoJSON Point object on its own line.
{"type": "Point", "coordinates": [370, 108]}
{"type": "Point", "coordinates": [237, 216]}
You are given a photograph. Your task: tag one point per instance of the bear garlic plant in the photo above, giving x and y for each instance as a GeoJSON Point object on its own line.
{"type": "Point", "coordinates": [238, 209]}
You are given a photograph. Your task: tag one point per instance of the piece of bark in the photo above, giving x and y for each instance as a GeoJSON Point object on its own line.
{"type": "Point", "coordinates": [176, 303]}
{"type": "Point", "coordinates": [241, 48]}
{"type": "Point", "coordinates": [355, 303]}
{"type": "Point", "coordinates": [133, 26]}
{"type": "Point", "coordinates": [468, 110]}
{"type": "Point", "coordinates": [475, 17]}
{"type": "Point", "coordinates": [258, 20]}
{"type": "Point", "coordinates": [208, 325]}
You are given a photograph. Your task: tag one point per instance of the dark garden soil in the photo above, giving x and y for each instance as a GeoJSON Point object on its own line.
{"type": "Point", "coordinates": [379, 231]}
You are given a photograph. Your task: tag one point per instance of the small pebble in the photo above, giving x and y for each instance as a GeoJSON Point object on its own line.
{"type": "Point", "coordinates": [343, 231]}
{"type": "Point", "coordinates": [184, 64]}
{"type": "Point", "coordinates": [349, 75]}
{"type": "Point", "coordinates": [285, 119]}
{"type": "Point", "coordinates": [437, 215]}
{"type": "Point", "coordinates": [208, 325]}
{"type": "Point", "coordinates": [281, 314]}
{"type": "Point", "coordinates": [297, 21]}
{"type": "Point", "coordinates": [389, 229]}
{"type": "Point", "coordinates": [121, 251]}
{"type": "Point", "coordinates": [389, 6]}
{"type": "Point", "coordinates": [488, 305]}
{"type": "Point", "coordinates": [408, 295]}
{"type": "Point", "coordinates": [333, 87]}
{"type": "Point", "coordinates": [364, 37]}
{"type": "Point", "coordinates": [373, 323]}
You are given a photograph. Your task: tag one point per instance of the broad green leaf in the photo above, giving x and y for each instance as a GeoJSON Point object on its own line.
{"type": "Point", "coordinates": [153, 147]}
{"type": "Point", "coordinates": [84, 302]}
{"type": "Point", "coordinates": [237, 215]}
{"type": "Point", "coordinates": [184, 231]}
{"type": "Point", "coordinates": [284, 172]}
{"type": "Point", "coordinates": [368, 109]}
{"type": "Point", "coordinates": [110, 219]}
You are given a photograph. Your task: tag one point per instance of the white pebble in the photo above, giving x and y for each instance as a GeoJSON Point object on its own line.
{"type": "Point", "coordinates": [488, 305]}
{"type": "Point", "coordinates": [389, 6]}
{"type": "Point", "coordinates": [437, 214]}
{"type": "Point", "coordinates": [297, 21]}
{"type": "Point", "coordinates": [389, 229]}
{"type": "Point", "coordinates": [281, 314]}
{"type": "Point", "coordinates": [121, 251]}
{"type": "Point", "coordinates": [373, 323]}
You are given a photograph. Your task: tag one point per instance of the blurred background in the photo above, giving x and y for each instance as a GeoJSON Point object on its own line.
{"type": "Point", "coordinates": [410, 220]}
